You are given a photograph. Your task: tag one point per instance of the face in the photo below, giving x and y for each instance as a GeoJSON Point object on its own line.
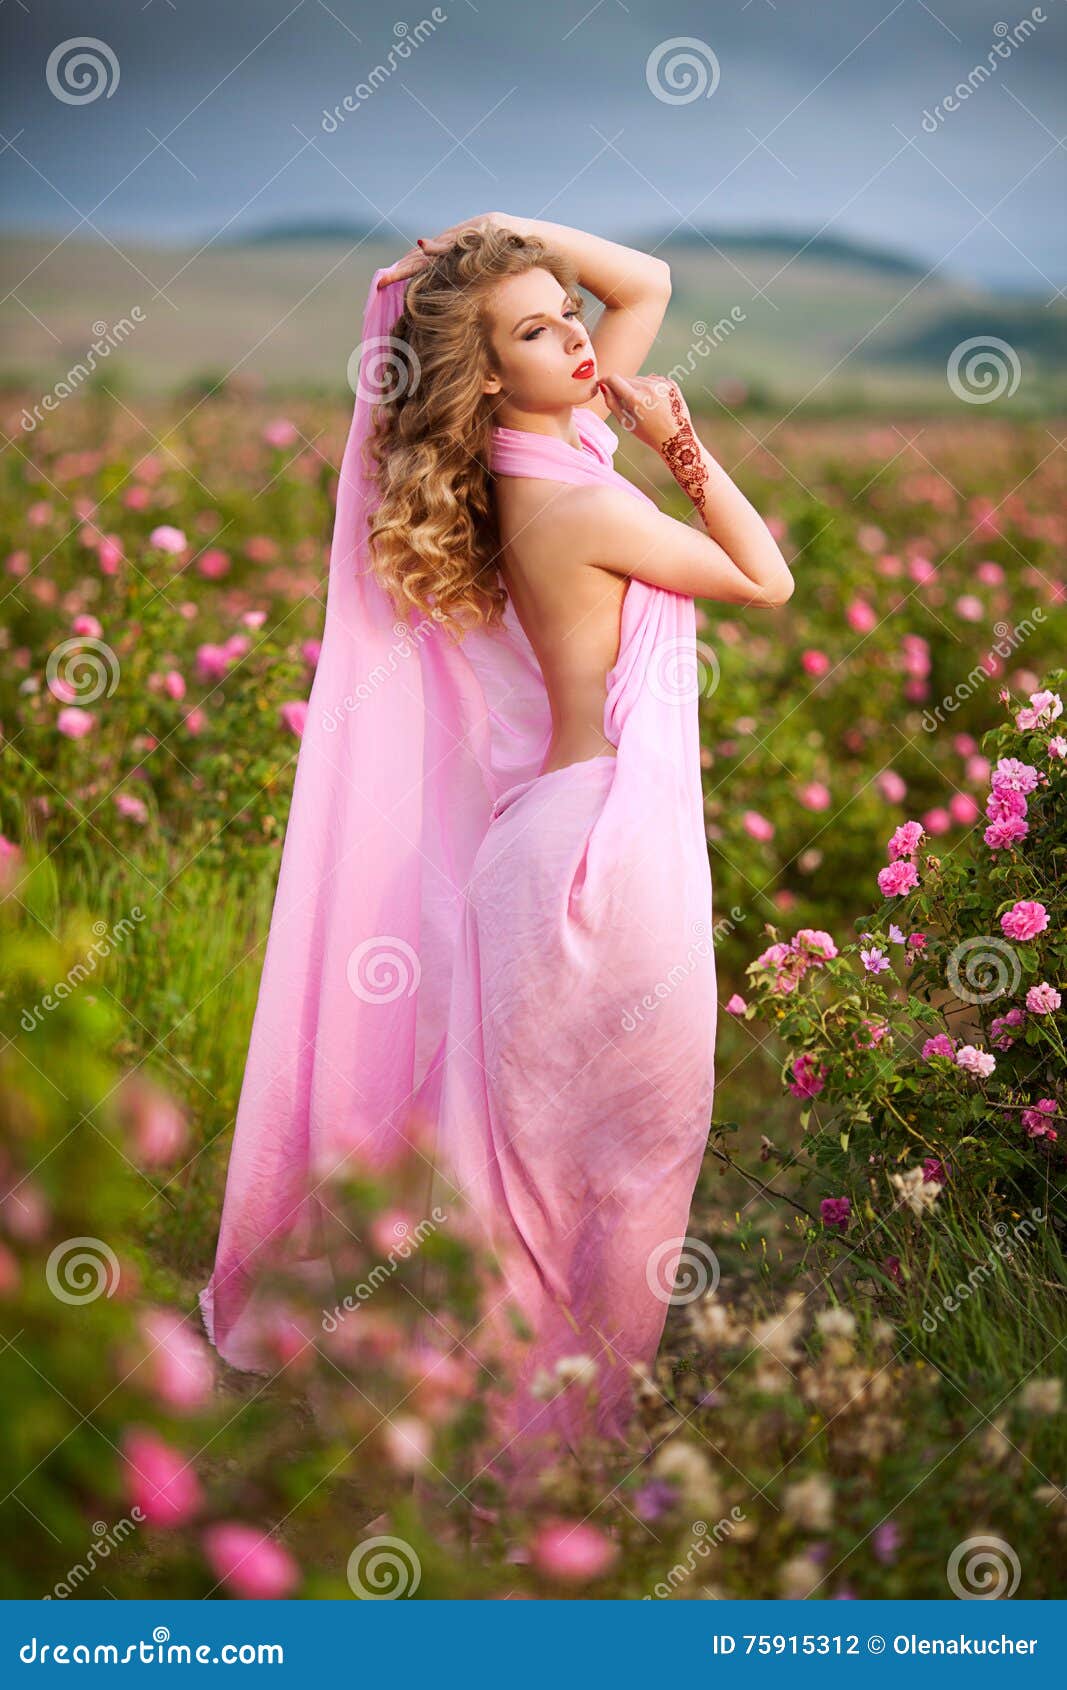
{"type": "Point", "coordinates": [538, 341]}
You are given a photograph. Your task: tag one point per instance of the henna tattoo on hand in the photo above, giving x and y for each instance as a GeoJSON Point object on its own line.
{"type": "Point", "coordinates": [683, 458]}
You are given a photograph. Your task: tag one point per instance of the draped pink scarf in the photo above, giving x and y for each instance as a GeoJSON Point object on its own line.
{"type": "Point", "coordinates": [512, 971]}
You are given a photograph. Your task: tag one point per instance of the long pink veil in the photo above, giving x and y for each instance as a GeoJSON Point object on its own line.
{"type": "Point", "coordinates": [409, 739]}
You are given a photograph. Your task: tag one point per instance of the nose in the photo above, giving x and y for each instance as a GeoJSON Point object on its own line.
{"type": "Point", "coordinates": [578, 338]}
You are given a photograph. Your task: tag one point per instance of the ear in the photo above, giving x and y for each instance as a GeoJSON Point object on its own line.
{"type": "Point", "coordinates": [492, 384]}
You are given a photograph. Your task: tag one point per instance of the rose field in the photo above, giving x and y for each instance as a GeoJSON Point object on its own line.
{"type": "Point", "coordinates": [860, 1393]}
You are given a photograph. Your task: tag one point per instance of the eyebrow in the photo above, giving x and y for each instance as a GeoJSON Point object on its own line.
{"type": "Point", "coordinates": [532, 316]}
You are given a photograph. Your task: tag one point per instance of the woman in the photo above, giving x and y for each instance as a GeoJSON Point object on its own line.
{"type": "Point", "coordinates": [492, 933]}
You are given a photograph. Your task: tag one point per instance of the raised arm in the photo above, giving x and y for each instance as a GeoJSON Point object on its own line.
{"type": "Point", "coordinates": [634, 287]}
{"type": "Point", "coordinates": [734, 560]}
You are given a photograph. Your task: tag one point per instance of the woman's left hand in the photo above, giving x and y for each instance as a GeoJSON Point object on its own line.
{"type": "Point", "coordinates": [419, 256]}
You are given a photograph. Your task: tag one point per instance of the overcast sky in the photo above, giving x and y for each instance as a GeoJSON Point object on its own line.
{"type": "Point", "coordinates": [797, 115]}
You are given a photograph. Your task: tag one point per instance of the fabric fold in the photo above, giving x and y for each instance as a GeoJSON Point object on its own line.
{"type": "Point", "coordinates": [511, 971]}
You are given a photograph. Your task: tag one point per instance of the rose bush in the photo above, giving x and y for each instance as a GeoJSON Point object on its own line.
{"type": "Point", "coordinates": [929, 1052]}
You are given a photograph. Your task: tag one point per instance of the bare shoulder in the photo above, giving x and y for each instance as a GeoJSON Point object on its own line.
{"type": "Point", "coordinates": [588, 521]}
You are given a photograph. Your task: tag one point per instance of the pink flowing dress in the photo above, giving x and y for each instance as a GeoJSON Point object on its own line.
{"type": "Point", "coordinates": [512, 972]}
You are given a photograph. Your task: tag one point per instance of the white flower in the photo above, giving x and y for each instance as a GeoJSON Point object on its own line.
{"type": "Point", "coordinates": [810, 1503]}
{"type": "Point", "coordinates": [569, 1370]}
{"type": "Point", "coordinates": [916, 1191]}
{"type": "Point", "coordinates": [1042, 1396]}
{"type": "Point", "coordinates": [836, 1323]}
{"type": "Point", "coordinates": [575, 1370]}
{"type": "Point", "coordinates": [682, 1464]}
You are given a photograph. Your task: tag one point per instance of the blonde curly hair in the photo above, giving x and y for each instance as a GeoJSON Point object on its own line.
{"type": "Point", "coordinates": [434, 537]}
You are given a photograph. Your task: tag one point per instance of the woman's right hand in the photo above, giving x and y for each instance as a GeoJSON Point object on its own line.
{"type": "Point", "coordinates": [649, 407]}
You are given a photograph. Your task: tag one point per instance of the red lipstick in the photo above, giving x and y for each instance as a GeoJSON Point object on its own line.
{"type": "Point", "coordinates": [584, 371]}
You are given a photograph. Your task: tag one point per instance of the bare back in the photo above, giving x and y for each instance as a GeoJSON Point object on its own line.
{"type": "Point", "coordinates": [570, 612]}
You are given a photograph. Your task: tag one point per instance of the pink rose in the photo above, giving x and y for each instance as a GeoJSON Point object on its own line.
{"type": "Point", "coordinates": [817, 944]}
{"type": "Point", "coordinates": [1000, 836]}
{"type": "Point", "coordinates": [572, 1553]}
{"type": "Point", "coordinates": [1013, 776]}
{"type": "Point", "coordinates": [109, 555]}
{"type": "Point", "coordinates": [861, 616]}
{"type": "Point", "coordinates": [178, 1365]}
{"type": "Point", "coordinates": [1035, 1120]}
{"type": "Point", "coordinates": [1042, 999]}
{"type": "Point", "coordinates": [213, 564]}
{"type": "Point", "coordinates": [74, 723]}
{"type": "Point", "coordinates": [1044, 708]}
{"type": "Point", "coordinates": [809, 1076]}
{"type": "Point", "coordinates": [212, 662]}
{"type": "Point", "coordinates": [898, 878]}
{"type": "Point", "coordinates": [280, 432]}
{"type": "Point", "coordinates": [970, 607]}
{"type": "Point", "coordinates": [249, 1564]}
{"type": "Point", "coordinates": [158, 1480]}
{"type": "Point", "coordinates": [1005, 804]}
{"type": "Point", "coordinates": [756, 825]}
{"type": "Point", "coordinates": [168, 539]}
{"type": "Point", "coordinates": [152, 1120]}
{"type": "Point", "coordinates": [963, 809]}
{"type": "Point", "coordinates": [892, 786]}
{"type": "Point", "coordinates": [815, 796]}
{"type": "Point", "coordinates": [937, 820]}
{"type": "Point", "coordinates": [10, 857]}
{"type": "Point", "coordinates": [939, 1045]}
{"type": "Point", "coordinates": [906, 840]}
{"type": "Point", "coordinates": [294, 715]}
{"type": "Point", "coordinates": [736, 1005]}
{"type": "Point", "coordinates": [1025, 920]}
{"type": "Point", "coordinates": [975, 1061]}
{"type": "Point", "coordinates": [128, 804]}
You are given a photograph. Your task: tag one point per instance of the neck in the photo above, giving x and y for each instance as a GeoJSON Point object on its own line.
{"type": "Point", "coordinates": [556, 425]}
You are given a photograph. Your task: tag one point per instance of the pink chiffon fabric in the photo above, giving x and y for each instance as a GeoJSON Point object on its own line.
{"type": "Point", "coordinates": [511, 971]}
